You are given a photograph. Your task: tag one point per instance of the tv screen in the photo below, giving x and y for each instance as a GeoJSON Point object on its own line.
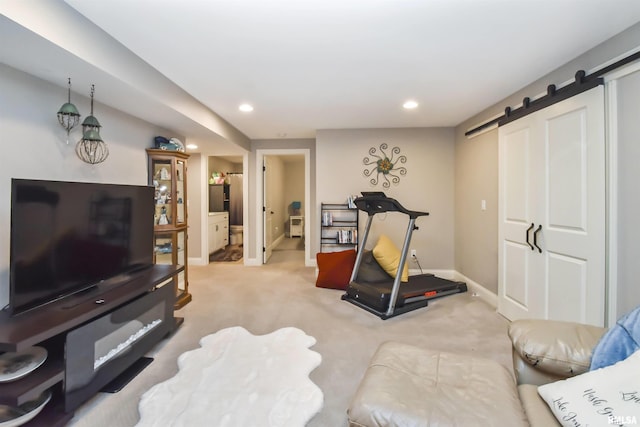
{"type": "Point", "coordinates": [69, 236]}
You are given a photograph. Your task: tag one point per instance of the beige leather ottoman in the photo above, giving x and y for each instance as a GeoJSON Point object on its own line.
{"type": "Point", "coordinates": [409, 386]}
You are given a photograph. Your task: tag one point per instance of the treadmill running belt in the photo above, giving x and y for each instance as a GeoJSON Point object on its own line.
{"type": "Point", "coordinates": [421, 287]}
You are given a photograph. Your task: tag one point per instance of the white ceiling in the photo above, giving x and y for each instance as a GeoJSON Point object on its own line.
{"type": "Point", "coordinates": [330, 64]}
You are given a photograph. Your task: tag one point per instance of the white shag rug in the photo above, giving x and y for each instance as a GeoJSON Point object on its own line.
{"type": "Point", "coordinates": [237, 379]}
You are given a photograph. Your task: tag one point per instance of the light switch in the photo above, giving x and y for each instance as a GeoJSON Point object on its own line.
{"type": "Point", "coordinates": [483, 205]}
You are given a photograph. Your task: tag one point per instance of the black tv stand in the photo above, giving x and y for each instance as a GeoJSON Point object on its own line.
{"type": "Point", "coordinates": [125, 378]}
{"type": "Point", "coordinates": [73, 332]}
{"type": "Point", "coordinates": [94, 294]}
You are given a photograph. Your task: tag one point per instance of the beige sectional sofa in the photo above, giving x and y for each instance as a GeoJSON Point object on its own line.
{"type": "Point", "coordinates": [409, 386]}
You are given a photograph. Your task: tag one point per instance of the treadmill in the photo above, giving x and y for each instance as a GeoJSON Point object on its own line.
{"type": "Point", "coordinates": [391, 298]}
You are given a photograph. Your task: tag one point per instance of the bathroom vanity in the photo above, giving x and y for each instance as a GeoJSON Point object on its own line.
{"type": "Point", "coordinates": [218, 230]}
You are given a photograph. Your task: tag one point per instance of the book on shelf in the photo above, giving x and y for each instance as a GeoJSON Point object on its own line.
{"type": "Point", "coordinates": [350, 201]}
{"type": "Point", "coordinates": [347, 236]}
{"type": "Point", "coordinates": [327, 218]}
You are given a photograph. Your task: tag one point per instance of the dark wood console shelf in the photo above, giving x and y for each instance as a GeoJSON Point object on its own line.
{"type": "Point", "coordinates": [35, 326]}
{"type": "Point", "coordinates": [47, 326]}
{"type": "Point", "coordinates": [30, 387]}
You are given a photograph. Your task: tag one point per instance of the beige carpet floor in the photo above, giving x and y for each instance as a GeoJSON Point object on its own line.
{"type": "Point", "coordinates": [288, 244]}
{"type": "Point", "coordinates": [283, 293]}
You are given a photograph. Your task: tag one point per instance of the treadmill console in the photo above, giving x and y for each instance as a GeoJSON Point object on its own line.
{"type": "Point", "coordinates": [373, 194]}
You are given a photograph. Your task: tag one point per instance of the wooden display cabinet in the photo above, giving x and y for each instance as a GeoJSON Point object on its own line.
{"type": "Point", "coordinates": [168, 174]}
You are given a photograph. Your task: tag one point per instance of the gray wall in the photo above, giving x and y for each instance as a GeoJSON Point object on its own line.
{"type": "Point", "coordinates": [293, 187]}
{"type": "Point", "coordinates": [476, 170]}
{"type": "Point", "coordinates": [34, 145]}
{"type": "Point", "coordinates": [476, 231]}
{"type": "Point", "coordinates": [427, 186]}
{"type": "Point", "coordinates": [628, 176]}
{"type": "Point", "coordinates": [196, 169]}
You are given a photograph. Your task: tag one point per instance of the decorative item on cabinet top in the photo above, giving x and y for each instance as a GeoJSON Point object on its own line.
{"type": "Point", "coordinates": [173, 144]}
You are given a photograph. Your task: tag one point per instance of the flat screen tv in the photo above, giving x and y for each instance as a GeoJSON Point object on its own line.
{"type": "Point", "coordinates": [67, 237]}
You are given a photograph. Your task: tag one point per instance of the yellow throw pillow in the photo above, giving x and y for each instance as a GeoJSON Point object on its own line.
{"type": "Point", "coordinates": [388, 256]}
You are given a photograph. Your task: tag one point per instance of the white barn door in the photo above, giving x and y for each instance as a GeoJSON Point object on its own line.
{"type": "Point", "coordinates": [552, 212]}
{"type": "Point", "coordinates": [516, 201]}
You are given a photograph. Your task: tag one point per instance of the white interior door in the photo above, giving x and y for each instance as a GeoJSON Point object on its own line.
{"type": "Point", "coordinates": [516, 201]}
{"type": "Point", "coordinates": [573, 237]}
{"type": "Point", "coordinates": [267, 213]}
{"type": "Point", "coordinates": [552, 176]}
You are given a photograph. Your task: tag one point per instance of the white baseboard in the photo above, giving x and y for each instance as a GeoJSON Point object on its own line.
{"type": "Point", "coordinates": [477, 289]}
{"type": "Point", "coordinates": [253, 262]}
{"type": "Point", "coordinates": [445, 274]}
{"type": "Point", "coordinates": [474, 287]}
{"type": "Point", "coordinates": [198, 261]}
{"type": "Point", "coordinates": [277, 241]}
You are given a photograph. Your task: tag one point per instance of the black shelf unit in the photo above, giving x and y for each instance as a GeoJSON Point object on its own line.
{"type": "Point", "coordinates": [338, 227]}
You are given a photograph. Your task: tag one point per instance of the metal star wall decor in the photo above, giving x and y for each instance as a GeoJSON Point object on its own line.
{"type": "Point", "coordinates": [385, 166]}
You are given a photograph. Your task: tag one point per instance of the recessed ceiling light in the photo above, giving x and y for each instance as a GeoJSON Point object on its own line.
{"type": "Point", "coordinates": [192, 146]}
{"type": "Point", "coordinates": [410, 105]}
{"type": "Point", "coordinates": [245, 108]}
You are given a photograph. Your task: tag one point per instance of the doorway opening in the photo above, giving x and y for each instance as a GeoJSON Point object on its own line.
{"type": "Point", "coordinates": [283, 181]}
{"type": "Point", "coordinates": [226, 210]}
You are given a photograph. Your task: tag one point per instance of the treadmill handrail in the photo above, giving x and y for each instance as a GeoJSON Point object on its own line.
{"type": "Point", "coordinates": [374, 204]}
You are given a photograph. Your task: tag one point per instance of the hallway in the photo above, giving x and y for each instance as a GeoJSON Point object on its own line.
{"type": "Point", "coordinates": [290, 244]}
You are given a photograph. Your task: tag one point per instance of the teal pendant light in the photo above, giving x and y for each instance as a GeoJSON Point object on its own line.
{"type": "Point", "coordinates": [68, 115]}
{"type": "Point", "coordinates": [91, 148]}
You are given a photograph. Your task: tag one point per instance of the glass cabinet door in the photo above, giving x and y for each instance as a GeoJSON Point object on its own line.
{"type": "Point", "coordinates": [163, 248]}
{"type": "Point", "coordinates": [181, 260]}
{"type": "Point", "coordinates": [180, 191]}
{"type": "Point", "coordinates": [170, 248]}
{"type": "Point", "coordinates": [163, 183]}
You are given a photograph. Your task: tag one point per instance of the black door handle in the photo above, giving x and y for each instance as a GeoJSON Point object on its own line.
{"type": "Point", "coordinates": [535, 238]}
{"type": "Point", "coordinates": [529, 243]}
